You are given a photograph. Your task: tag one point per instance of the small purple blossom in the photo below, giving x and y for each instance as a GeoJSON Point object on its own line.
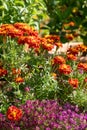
{"type": "Point", "coordinates": [27, 89]}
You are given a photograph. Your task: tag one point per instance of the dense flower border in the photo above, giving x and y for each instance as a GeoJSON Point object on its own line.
{"type": "Point", "coordinates": [46, 115]}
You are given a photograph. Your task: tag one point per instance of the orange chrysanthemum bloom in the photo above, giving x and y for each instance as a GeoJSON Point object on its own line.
{"type": "Point", "coordinates": [47, 46]}
{"type": "Point", "coordinates": [73, 82]}
{"type": "Point", "coordinates": [65, 69]}
{"type": "Point", "coordinates": [71, 57]}
{"type": "Point", "coordinates": [2, 32]}
{"type": "Point", "coordinates": [10, 30]}
{"type": "Point", "coordinates": [69, 37]}
{"type": "Point", "coordinates": [82, 66]}
{"type": "Point", "coordinates": [58, 60]}
{"type": "Point", "coordinates": [53, 39]}
{"type": "Point", "coordinates": [32, 41]}
{"type": "Point", "coordinates": [14, 113]}
{"type": "Point", "coordinates": [3, 71]}
{"type": "Point", "coordinates": [81, 48]}
{"type": "Point", "coordinates": [73, 51]}
{"type": "Point", "coordinates": [16, 71]}
{"type": "Point", "coordinates": [19, 80]}
{"type": "Point", "coordinates": [13, 32]}
{"type": "Point", "coordinates": [27, 30]}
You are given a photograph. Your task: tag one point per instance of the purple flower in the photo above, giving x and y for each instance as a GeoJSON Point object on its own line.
{"type": "Point", "coordinates": [48, 128]}
{"type": "Point", "coordinates": [27, 89]}
{"type": "Point", "coordinates": [47, 115]}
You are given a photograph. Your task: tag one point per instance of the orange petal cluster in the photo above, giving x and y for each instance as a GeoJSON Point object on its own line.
{"type": "Point", "coordinates": [17, 29]}
{"type": "Point", "coordinates": [82, 66]}
{"type": "Point", "coordinates": [65, 69]}
{"type": "Point", "coordinates": [69, 37]}
{"type": "Point", "coordinates": [73, 51]}
{"type": "Point", "coordinates": [16, 71]}
{"type": "Point", "coordinates": [53, 39]}
{"type": "Point", "coordinates": [73, 82]}
{"type": "Point", "coordinates": [76, 49]}
{"type": "Point", "coordinates": [3, 71]}
{"type": "Point", "coordinates": [14, 113]}
{"type": "Point", "coordinates": [71, 57]}
{"type": "Point", "coordinates": [10, 30]}
{"type": "Point", "coordinates": [32, 41]}
{"type": "Point", "coordinates": [58, 60]}
{"type": "Point", "coordinates": [27, 30]}
{"type": "Point", "coordinates": [19, 79]}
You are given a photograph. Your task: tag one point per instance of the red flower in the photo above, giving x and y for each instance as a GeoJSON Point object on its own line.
{"type": "Point", "coordinates": [65, 69]}
{"type": "Point", "coordinates": [14, 113]}
{"type": "Point", "coordinates": [3, 71]}
{"type": "Point", "coordinates": [58, 60]}
{"type": "Point", "coordinates": [73, 82]}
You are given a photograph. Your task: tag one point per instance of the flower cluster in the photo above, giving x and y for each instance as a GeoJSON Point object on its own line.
{"type": "Point", "coordinates": [45, 115]}
{"type": "Point", "coordinates": [26, 61]}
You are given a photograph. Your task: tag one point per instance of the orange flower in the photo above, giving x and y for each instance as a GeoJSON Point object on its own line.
{"type": "Point", "coordinates": [47, 46]}
{"type": "Point", "coordinates": [71, 24]}
{"type": "Point", "coordinates": [27, 30]}
{"type": "Point", "coordinates": [3, 71]}
{"type": "Point", "coordinates": [19, 80]}
{"type": "Point", "coordinates": [58, 44]}
{"type": "Point", "coordinates": [10, 30]}
{"type": "Point", "coordinates": [2, 31]}
{"type": "Point", "coordinates": [71, 57]}
{"type": "Point", "coordinates": [14, 113]}
{"type": "Point", "coordinates": [32, 41]}
{"type": "Point", "coordinates": [58, 60]}
{"type": "Point", "coordinates": [69, 36]}
{"type": "Point", "coordinates": [16, 71]}
{"type": "Point", "coordinates": [73, 51]}
{"type": "Point", "coordinates": [81, 48]}
{"type": "Point", "coordinates": [53, 39]}
{"type": "Point", "coordinates": [73, 82]}
{"type": "Point", "coordinates": [82, 66]}
{"type": "Point", "coordinates": [65, 69]}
